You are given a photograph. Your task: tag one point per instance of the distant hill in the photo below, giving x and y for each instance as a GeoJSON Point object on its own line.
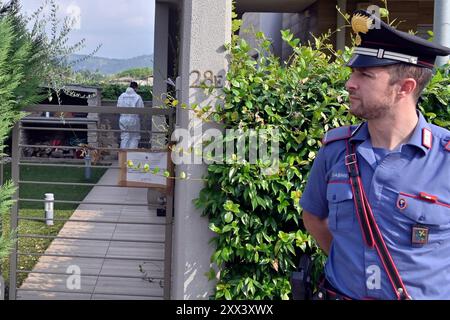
{"type": "Point", "coordinates": [109, 66]}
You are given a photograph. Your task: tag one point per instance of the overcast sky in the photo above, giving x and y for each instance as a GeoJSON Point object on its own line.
{"type": "Point", "coordinates": [123, 27]}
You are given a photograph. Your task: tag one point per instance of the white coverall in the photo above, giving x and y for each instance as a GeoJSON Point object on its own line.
{"type": "Point", "coordinates": [130, 140]}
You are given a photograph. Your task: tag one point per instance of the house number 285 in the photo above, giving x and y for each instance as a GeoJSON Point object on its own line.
{"type": "Point", "coordinates": [207, 79]}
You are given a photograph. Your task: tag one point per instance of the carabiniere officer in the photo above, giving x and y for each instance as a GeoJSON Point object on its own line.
{"type": "Point", "coordinates": [378, 196]}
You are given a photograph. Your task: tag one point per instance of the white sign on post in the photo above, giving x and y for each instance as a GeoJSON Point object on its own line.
{"type": "Point", "coordinates": [137, 169]}
{"type": "Point", "coordinates": [154, 160]}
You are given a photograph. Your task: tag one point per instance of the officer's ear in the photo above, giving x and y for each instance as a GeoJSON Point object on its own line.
{"type": "Point", "coordinates": [407, 87]}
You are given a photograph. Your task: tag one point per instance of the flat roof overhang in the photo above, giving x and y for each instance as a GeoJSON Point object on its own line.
{"type": "Point", "coordinates": [272, 6]}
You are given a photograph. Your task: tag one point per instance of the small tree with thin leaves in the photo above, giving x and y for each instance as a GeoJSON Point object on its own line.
{"type": "Point", "coordinates": [21, 61]}
{"type": "Point", "coordinates": [29, 60]}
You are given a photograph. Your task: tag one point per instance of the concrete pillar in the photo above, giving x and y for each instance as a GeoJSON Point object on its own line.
{"type": "Point", "coordinates": [340, 35]}
{"type": "Point", "coordinates": [206, 27]}
{"type": "Point", "coordinates": [441, 26]}
{"type": "Point", "coordinates": [160, 51]}
{"type": "Point", "coordinates": [160, 63]}
{"type": "Point", "coordinates": [270, 23]}
{"type": "Point", "coordinates": [92, 136]}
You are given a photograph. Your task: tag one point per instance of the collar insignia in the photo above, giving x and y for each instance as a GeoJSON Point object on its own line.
{"type": "Point", "coordinates": [360, 23]}
{"type": "Point", "coordinates": [427, 138]}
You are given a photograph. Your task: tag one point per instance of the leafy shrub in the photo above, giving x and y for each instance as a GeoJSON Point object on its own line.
{"type": "Point", "coordinates": [436, 96]}
{"type": "Point", "coordinates": [136, 73]}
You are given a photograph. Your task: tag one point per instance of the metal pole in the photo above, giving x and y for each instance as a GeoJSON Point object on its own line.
{"type": "Point", "coordinates": [49, 202]}
{"type": "Point", "coordinates": [87, 168]}
{"type": "Point", "coordinates": [1, 218]}
{"type": "Point", "coordinates": [2, 288]}
{"type": "Point", "coordinates": [14, 211]}
{"type": "Point", "coordinates": [1, 176]}
{"type": "Point", "coordinates": [340, 35]}
{"type": "Point", "coordinates": [441, 27]}
{"type": "Point", "coordinates": [2, 281]}
{"type": "Point", "coordinates": [169, 225]}
{"type": "Point", "coordinates": [168, 247]}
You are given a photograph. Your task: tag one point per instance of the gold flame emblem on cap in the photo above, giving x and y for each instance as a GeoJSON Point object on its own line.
{"type": "Point", "coordinates": [360, 23]}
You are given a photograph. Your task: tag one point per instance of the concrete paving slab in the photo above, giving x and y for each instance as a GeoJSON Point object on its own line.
{"type": "Point", "coordinates": [130, 249]}
{"type": "Point", "coordinates": [120, 297]}
{"type": "Point", "coordinates": [66, 265]}
{"type": "Point", "coordinates": [132, 268]}
{"type": "Point", "coordinates": [96, 273]}
{"type": "Point", "coordinates": [138, 232]}
{"type": "Point", "coordinates": [132, 287]}
{"type": "Point", "coordinates": [39, 295]}
{"type": "Point", "coordinates": [58, 282]}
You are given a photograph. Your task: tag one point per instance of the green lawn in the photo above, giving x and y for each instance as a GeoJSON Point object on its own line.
{"type": "Point", "coordinates": [36, 209]}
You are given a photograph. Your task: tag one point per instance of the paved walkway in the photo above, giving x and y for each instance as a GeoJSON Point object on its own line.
{"type": "Point", "coordinates": [98, 275]}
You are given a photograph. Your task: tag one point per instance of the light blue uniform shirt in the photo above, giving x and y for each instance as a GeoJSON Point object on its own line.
{"type": "Point", "coordinates": [393, 185]}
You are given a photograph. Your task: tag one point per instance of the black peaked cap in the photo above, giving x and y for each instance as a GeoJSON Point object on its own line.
{"type": "Point", "coordinates": [386, 45]}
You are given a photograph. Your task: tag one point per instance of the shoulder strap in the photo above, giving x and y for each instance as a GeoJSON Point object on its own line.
{"type": "Point", "coordinates": [371, 233]}
{"type": "Point", "coordinates": [335, 134]}
{"type": "Point", "coordinates": [340, 133]}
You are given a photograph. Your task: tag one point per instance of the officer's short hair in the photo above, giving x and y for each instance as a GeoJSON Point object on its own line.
{"type": "Point", "coordinates": [400, 71]}
{"type": "Point", "coordinates": [133, 84]}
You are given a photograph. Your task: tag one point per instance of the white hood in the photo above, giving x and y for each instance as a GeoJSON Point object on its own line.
{"type": "Point", "coordinates": [130, 99]}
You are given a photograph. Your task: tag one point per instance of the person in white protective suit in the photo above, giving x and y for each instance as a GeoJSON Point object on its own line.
{"type": "Point", "coordinates": [130, 122]}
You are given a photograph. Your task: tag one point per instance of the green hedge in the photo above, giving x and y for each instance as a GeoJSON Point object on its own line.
{"type": "Point", "coordinates": [113, 91]}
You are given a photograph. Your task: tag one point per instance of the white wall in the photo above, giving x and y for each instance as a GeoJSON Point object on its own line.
{"type": "Point", "coordinates": [267, 22]}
